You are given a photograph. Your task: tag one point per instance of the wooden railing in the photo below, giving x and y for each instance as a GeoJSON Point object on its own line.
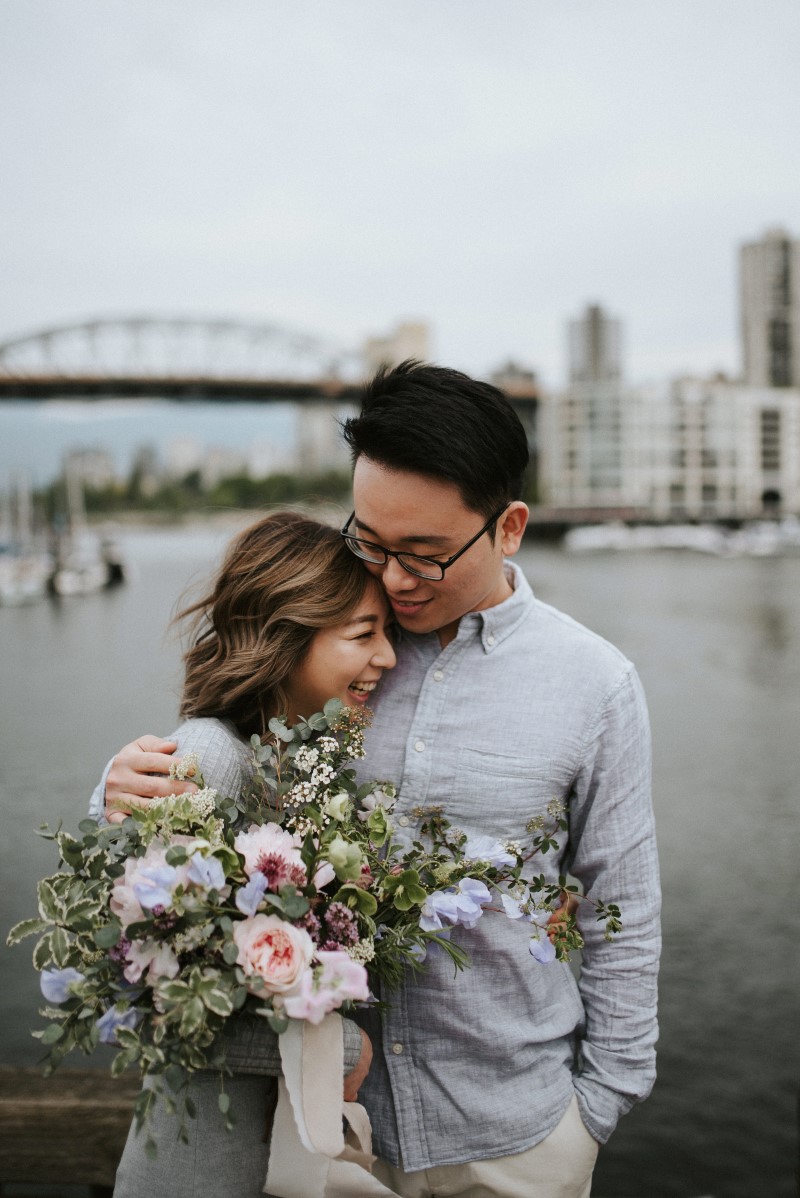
{"type": "Point", "coordinates": [67, 1129]}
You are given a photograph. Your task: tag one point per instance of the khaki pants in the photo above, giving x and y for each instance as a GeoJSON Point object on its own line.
{"type": "Point", "coordinates": [559, 1167]}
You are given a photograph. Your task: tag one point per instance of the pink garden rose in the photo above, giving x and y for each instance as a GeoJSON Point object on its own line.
{"type": "Point", "coordinates": [275, 853]}
{"type": "Point", "coordinates": [325, 987]}
{"type": "Point", "coordinates": [274, 950]}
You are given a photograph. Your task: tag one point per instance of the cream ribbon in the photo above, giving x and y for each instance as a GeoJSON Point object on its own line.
{"type": "Point", "coordinates": [310, 1157]}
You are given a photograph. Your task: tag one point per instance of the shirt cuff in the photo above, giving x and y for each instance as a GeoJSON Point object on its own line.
{"type": "Point", "coordinates": [600, 1108]}
{"type": "Point", "coordinates": [97, 803]}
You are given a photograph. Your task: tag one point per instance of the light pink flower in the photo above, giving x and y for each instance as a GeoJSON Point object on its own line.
{"type": "Point", "coordinates": [158, 959]}
{"type": "Point", "coordinates": [324, 875]}
{"type": "Point", "coordinates": [124, 902]}
{"type": "Point", "coordinates": [335, 979]}
{"type": "Point", "coordinates": [274, 950]}
{"type": "Point", "coordinates": [271, 850]}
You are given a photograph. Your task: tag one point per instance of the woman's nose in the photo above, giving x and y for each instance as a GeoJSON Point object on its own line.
{"type": "Point", "coordinates": [385, 656]}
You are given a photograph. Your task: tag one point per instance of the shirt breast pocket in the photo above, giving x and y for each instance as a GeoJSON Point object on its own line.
{"type": "Point", "coordinates": [498, 794]}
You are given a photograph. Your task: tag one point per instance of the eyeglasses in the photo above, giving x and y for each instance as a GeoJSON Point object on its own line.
{"type": "Point", "coordinates": [414, 563]}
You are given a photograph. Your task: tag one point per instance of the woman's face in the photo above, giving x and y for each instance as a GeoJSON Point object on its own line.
{"type": "Point", "coordinates": [345, 662]}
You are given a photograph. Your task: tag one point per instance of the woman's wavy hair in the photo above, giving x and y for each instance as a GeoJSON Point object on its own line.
{"type": "Point", "coordinates": [282, 580]}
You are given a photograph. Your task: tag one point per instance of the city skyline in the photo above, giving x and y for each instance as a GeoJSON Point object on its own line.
{"type": "Point", "coordinates": [491, 176]}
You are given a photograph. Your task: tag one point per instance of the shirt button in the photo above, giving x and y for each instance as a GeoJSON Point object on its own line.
{"type": "Point", "coordinates": [490, 639]}
{"type": "Point", "coordinates": [397, 1048]}
{"type": "Point", "coordinates": [403, 821]}
{"type": "Point", "coordinates": [419, 746]}
{"type": "Point", "coordinates": [438, 676]}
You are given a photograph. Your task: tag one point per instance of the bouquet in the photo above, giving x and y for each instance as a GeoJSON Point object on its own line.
{"type": "Point", "coordinates": [288, 902]}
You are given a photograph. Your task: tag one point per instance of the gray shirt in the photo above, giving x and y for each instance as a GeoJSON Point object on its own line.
{"type": "Point", "coordinates": [523, 706]}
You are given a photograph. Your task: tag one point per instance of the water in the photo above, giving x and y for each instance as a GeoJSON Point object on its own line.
{"type": "Point", "coordinates": [718, 646]}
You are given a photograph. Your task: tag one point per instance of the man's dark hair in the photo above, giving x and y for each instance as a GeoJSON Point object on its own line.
{"type": "Point", "coordinates": [441, 423]}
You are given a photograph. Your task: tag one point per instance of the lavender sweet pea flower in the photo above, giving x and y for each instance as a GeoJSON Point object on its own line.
{"type": "Point", "coordinates": [155, 885]}
{"type": "Point", "coordinates": [55, 983]}
{"type": "Point", "coordinates": [207, 872]}
{"type": "Point", "coordinates": [248, 898]}
{"type": "Point", "coordinates": [115, 1018]}
{"type": "Point", "coordinates": [486, 848]}
{"type": "Point", "coordinates": [439, 908]}
{"type": "Point", "coordinates": [475, 890]}
{"type": "Point", "coordinates": [512, 907]}
{"type": "Point", "coordinates": [453, 907]}
{"type": "Point", "coordinates": [543, 950]}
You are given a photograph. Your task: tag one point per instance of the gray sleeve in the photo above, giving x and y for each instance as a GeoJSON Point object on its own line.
{"type": "Point", "coordinates": [224, 758]}
{"type": "Point", "coordinates": [252, 1047]}
{"type": "Point", "coordinates": [612, 835]}
{"type": "Point", "coordinates": [97, 803]}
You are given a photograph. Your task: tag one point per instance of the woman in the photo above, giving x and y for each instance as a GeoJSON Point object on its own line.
{"type": "Point", "coordinates": [292, 620]}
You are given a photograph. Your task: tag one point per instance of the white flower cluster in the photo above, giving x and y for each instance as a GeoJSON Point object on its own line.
{"type": "Point", "coordinates": [302, 793]}
{"type": "Point", "coordinates": [362, 952]}
{"type": "Point", "coordinates": [203, 802]}
{"type": "Point", "coordinates": [328, 744]}
{"type": "Point", "coordinates": [306, 758]}
{"type": "Point", "coordinates": [184, 767]}
{"type": "Point", "coordinates": [514, 847]}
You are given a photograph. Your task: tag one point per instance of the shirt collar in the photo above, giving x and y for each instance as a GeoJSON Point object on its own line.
{"type": "Point", "coordinates": [494, 624]}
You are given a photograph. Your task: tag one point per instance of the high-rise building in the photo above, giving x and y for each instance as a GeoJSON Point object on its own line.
{"type": "Point", "coordinates": [595, 347]}
{"type": "Point", "coordinates": [592, 426]}
{"type": "Point", "coordinates": [770, 310]}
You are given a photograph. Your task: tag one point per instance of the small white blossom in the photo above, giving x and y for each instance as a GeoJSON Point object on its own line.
{"type": "Point", "coordinates": [184, 767]}
{"type": "Point", "coordinates": [306, 758]}
{"type": "Point", "coordinates": [362, 952]}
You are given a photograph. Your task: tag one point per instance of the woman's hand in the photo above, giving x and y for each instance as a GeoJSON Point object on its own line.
{"type": "Point", "coordinates": [355, 1079]}
{"type": "Point", "coordinates": [139, 773]}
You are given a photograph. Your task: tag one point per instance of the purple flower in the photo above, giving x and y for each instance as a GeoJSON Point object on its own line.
{"type": "Point", "coordinates": [249, 896]}
{"type": "Point", "coordinates": [55, 983]}
{"type": "Point", "coordinates": [543, 950]}
{"type": "Point", "coordinates": [476, 890]}
{"type": "Point", "coordinates": [206, 872]}
{"type": "Point", "coordinates": [453, 907]}
{"type": "Point", "coordinates": [341, 924]}
{"type": "Point", "coordinates": [486, 848]}
{"type": "Point", "coordinates": [155, 885]}
{"type": "Point", "coordinates": [114, 1018]}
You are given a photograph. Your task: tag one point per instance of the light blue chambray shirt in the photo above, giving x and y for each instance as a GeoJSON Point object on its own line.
{"type": "Point", "coordinates": [523, 706]}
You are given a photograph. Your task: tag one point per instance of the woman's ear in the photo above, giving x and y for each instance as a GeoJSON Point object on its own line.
{"type": "Point", "coordinates": [511, 526]}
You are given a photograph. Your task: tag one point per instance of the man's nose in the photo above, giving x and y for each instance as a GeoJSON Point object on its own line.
{"type": "Point", "coordinates": [395, 578]}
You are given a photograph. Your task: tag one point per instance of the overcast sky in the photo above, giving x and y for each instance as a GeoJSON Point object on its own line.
{"type": "Point", "coordinates": [488, 165]}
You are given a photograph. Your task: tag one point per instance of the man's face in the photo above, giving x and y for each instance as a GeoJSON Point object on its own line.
{"type": "Point", "coordinates": [414, 513]}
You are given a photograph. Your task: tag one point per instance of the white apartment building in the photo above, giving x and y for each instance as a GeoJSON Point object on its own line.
{"type": "Point", "coordinates": [721, 449]}
{"type": "Point", "coordinates": [769, 282]}
{"type": "Point", "coordinates": [689, 449]}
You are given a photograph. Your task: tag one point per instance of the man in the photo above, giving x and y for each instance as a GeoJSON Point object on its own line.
{"type": "Point", "coordinates": [502, 1080]}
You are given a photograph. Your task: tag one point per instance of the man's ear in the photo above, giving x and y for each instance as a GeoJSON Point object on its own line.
{"type": "Point", "coordinates": [511, 526]}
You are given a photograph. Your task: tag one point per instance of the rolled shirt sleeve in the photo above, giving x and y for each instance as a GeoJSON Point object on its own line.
{"type": "Point", "coordinates": [613, 855]}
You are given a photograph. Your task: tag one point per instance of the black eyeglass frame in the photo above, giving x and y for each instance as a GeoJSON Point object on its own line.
{"type": "Point", "coordinates": [349, 539]}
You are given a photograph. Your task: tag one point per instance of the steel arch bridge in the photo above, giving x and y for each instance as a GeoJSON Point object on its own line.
{"type": "Point", "coordinates": [172, 355]}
